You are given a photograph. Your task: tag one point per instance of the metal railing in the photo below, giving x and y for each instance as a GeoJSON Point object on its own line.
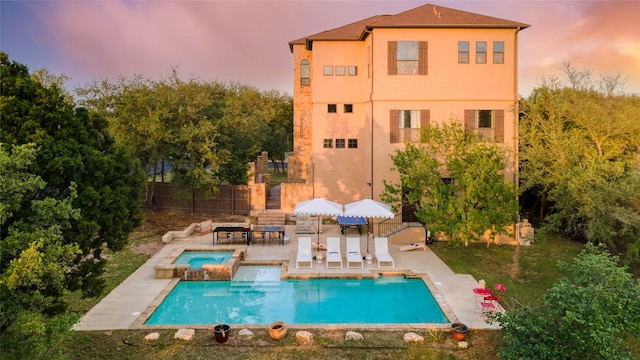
{"type": "Point", "coordinates": [397, 224]}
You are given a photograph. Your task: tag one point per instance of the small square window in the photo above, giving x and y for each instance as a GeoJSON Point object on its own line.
{"type": "Point", "coordinates": [352, 70]}
{"type": "Point", "coordinates": [327, 143]}
{"type": "Point", "coordinates": [340, 70]}
{"type": "Point", "coordinates": [339, 143]}
{"type": "Point", "coordinates": [332, 108]}
{"type": "Point", "coordinates": [327, 70]}
{"type": "Point", "coordinates": [353, 143]}
{"type": "Point", "coordinates": [348, 108]}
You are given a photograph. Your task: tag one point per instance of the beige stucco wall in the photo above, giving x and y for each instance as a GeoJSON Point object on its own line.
{"type": "Point", "coordinates": [344, 175]}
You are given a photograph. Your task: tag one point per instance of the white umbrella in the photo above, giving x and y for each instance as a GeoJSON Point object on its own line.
{"type": "Point", "coordinates": [370, 209]}
{"type": "Point", "coordinates": [320, 207]}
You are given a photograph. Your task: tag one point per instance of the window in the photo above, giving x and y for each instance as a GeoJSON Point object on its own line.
{"type": "Point", "coordinates": [332, 108]}
{"type": "Point", "coordinates": [327, 143]}
{"type": "Point", "coordinates": [352, 143]}
{"type": "Point", "coordinates": [481, 52]}
{"type": "Point", "coordinates": [407, 57]}
{"type": "Point", "coordinates": [463, 52]}
{"type": "Point", "coordinates": [489, 124]}
{"type": "Point", "coordinates": [327, 70]}
{"type": "Point", "coordinates": [340, 70]}
{"type": "Point", "coordinates": [405, 125]}
{"type": "Point", "coordinates": [305, 73]}
{"type": "Point", "coordinates": [339, 143]}
{"type": "Point", "coordinates": [498, 52]}
{"type": "Point", "coordinates": [352, 70]}
{"type": "Point", "coordinates": [348, 108]}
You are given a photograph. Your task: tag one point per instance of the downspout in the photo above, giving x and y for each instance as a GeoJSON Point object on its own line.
{"type": "Point", "coordinates": [516, 171]}
{"type": "Point", "coordinates": [371, 104]}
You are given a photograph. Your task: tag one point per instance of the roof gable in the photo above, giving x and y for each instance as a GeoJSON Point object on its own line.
{"type": "Point", "coordinates": [425, 16]}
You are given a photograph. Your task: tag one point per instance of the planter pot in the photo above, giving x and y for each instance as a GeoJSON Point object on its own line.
{"type": "Point", "coordinates": [368, 258]}
{"type": "Point", "coordinates": [459, 331]}
{"type": "Point", "coordinates": [277, 330]}
{"type": "Point", "coordinates": [221, 333]}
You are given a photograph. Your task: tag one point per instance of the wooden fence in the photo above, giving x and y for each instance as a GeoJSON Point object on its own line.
{"type": "Point", "coordinates": [230, 199]}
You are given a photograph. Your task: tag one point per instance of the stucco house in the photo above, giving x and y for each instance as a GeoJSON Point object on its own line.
{"type": "Point", "coordinates": [362, 89]}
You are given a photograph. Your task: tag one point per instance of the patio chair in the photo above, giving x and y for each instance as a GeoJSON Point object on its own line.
{"type": "Point", "coordinates": [304, 253]}
{"type": "Point", "coordinates": [354, 257]}
{"type": "Point", "coordinates": [334, 255]}
{"type": "Point", "coordinates": [382, 252]}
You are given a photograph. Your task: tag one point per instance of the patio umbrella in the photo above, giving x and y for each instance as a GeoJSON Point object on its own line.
{"type": "Point", "coordinates": [319, 207]}
{"type": "Point", "coordinates": [369, 209]}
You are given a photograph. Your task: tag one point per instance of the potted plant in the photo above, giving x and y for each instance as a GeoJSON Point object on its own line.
{"type": "Point", "coordinates": [459, 331]}
{"type": "Point", "coordinates": [277, 330]}
{"type": "Point", "coordinates": [221, 333]}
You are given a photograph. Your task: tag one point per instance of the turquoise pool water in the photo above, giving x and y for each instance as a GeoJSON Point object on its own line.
{"type": "Point", "coordinates": [196, 259]}
{"type": "Point", "coordinates": [263, 299]}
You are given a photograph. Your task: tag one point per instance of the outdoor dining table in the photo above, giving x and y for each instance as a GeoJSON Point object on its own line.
{"type": "Point", "coordinates": [245, 230]}
{"type": "Point", "coordinates": [266, 231]}
{"type": "Point", "coordinates": [351, 222]}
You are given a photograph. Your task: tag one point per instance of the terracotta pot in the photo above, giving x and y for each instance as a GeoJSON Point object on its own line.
{"type": "Point", "coordinates": [277, 330]}
{"type": "Point", "coordinates": [459, 331]}
{"type": "Point", "coordinates": [221, 333]}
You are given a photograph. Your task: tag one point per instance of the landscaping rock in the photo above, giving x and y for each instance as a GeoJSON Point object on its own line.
{"type": "Point", "coordinates": [184, 334]}
{"type": "Point", "coordinates": [352, 335]}
{"type": "Point", "coordinates": [304, 337]}
{"type": "Point", "coordinates": [152, 336]}
{"type": "Point", "coordinates": [463, 344]}
{"type": "Point", "coordinates": [413, 337]}
{"type": "Point", "coordinates": [245, 334]}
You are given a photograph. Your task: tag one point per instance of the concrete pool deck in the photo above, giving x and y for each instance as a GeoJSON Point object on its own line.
{"type": "Point", "coordinates": [123, 307]}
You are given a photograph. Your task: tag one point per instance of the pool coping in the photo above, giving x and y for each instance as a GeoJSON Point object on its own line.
{"type": "Point", "coordinates": [139, 322]}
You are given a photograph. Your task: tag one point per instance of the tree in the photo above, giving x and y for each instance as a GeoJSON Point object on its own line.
{"type": "Point", "coordinates": [76, 158]}
{"type": "Point", "coordinates": [586, 315]}
{"type": "Point", "coordinates": [456, 181]}
{"type": "Point", "coordinates": [35, 262]}
{"type": "Point", "coordinates": [579, 151]}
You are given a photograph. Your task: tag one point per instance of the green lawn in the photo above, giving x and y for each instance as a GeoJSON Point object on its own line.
{"type": "Point", "coordinates": [527, 272]}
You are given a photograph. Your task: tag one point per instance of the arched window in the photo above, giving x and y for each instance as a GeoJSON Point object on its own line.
{"type": "Point", "coordinates": [305, 73]}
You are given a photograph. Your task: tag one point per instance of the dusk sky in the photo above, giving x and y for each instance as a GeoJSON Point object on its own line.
{"type": "Point", "coordinates": [247, 41]}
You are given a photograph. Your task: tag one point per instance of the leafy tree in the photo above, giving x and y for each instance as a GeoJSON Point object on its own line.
{"type": "Point", "coordinates": [456, 182]}
{"type": "Point", "coordinates": [74, 147]}
{"type": "Point", "coordinates": [35, 262]}
{"type": "Point", "coordinates": [587, 314]}
{"type": "Point", "coordinates": [579, 151]}
{"type": "Point", "coordinates": [206, 133]}
{"type": "Point", "coordinates": [279, 118]}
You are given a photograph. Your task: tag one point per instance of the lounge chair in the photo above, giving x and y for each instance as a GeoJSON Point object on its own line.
{"type": "Point", "coordinates": [354, 257]}
{"type": "Point", "coordinates": [334, 256]}
{"type": "Point", "coordinates": [382, 252]}
{"type": "Point", "coordinates": [304, 253]}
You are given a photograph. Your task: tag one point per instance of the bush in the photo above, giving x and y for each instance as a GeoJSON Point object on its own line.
{"type": "Point", "coordinates": [586, 314]}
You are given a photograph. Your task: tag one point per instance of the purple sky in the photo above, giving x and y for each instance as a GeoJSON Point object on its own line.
{"type": "Point", "coordinates": [247, 41]}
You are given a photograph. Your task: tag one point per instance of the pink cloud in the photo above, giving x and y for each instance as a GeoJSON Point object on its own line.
{"type": "Point", "coordinates": [246, 41]}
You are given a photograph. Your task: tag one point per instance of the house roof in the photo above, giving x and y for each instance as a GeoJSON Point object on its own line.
{"type": "Point", "coordinates": [425, 16]}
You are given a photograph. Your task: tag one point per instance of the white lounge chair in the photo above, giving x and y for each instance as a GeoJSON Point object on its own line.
{"type": "Point", "coordinates": [354, 257]}
{"type": "Point", "coordinates": [334, 256]}
{"type": "Point", "coordinates": [382, 252]}
{"type": "Point", "coordinates": [304, 253]}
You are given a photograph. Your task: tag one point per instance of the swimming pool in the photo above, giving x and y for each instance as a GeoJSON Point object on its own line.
{"type": "Point", "coordinates": [265, 299]}
{"type": "Point", "coordinates": [196, 259]}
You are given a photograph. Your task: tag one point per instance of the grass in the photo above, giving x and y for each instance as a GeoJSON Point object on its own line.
{"type": "Point", "coordinates": [527, 272]}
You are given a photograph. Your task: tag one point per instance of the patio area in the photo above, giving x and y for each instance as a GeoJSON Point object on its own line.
{"type": "Point", "coordinates": [126, 305]}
